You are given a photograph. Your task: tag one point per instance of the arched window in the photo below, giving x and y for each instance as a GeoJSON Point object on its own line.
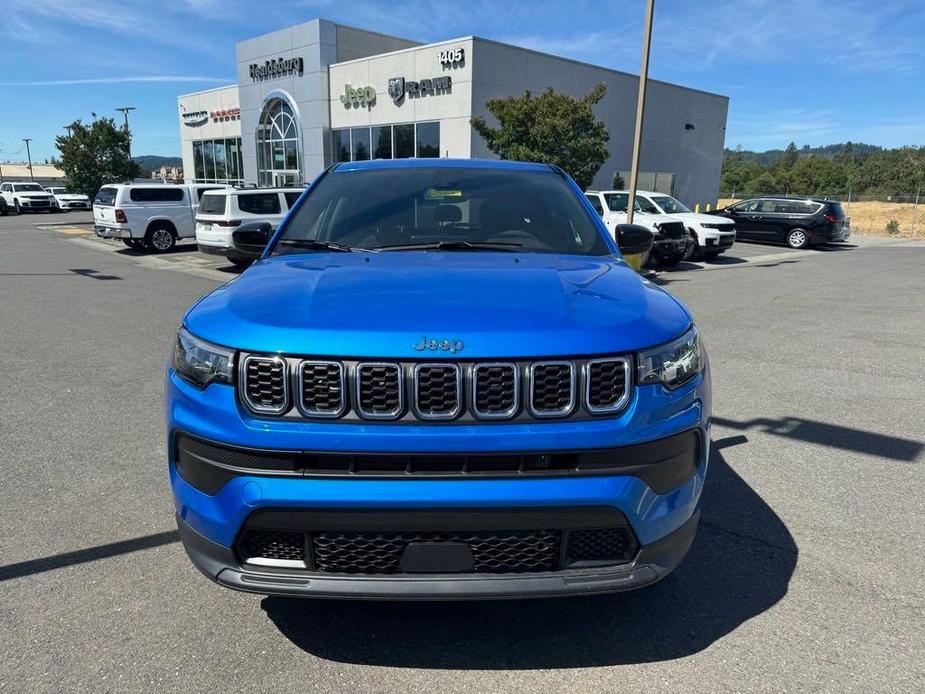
{"type": "Point", "coordinates": [279, 157]}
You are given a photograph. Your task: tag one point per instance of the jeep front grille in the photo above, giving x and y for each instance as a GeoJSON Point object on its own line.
{"type": "Point", "coordinates": [435, 391]}
{"type": "Point", "coordinates": [266, 384]}
{"type": "Point", "coordinates": [671, 230]}
{"type": "Point", "coordinates": [552, 388]}
{"type": "Point", "coordinates": [495, 390]}
{"type": "Point", "coordinates": [379, 390]}
{"type": "Point", "coordinates": [322, 388]}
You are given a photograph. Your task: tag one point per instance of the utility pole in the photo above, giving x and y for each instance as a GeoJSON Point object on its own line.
{"type": "Point", "coordinates": [27, 140]}
{"type": "Point", "coordinates": [125, 110]}
{"type": "Point", "coordinates": [640, 108]}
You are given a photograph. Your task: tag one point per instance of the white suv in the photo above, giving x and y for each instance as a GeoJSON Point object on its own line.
{"type": "Point", "coordinates": [27, 197]}
{"type": "Point", "coordinates": [711, 235]}
{"type": "Point", "coordinates": [148, 216]}
{"type": "Point", "coordinates": [671, 237]}
{"type": "Point", "coordinates": [223, 211]}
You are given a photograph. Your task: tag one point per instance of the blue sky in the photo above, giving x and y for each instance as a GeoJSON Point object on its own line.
{"type": "Point", "coordinates": [811, 71]}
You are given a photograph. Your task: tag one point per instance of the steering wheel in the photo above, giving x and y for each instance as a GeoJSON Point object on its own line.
{"type": "Point", "coordinates": [517, 235]}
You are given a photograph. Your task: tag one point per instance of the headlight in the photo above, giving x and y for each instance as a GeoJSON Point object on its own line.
{"type": "Point", "coordinates": [674, 363]}
{"type": "Point", "coordinates": [200, 362]}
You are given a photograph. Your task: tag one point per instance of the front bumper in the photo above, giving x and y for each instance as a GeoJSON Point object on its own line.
{"type": "Point", "coordinates": [652, 563]}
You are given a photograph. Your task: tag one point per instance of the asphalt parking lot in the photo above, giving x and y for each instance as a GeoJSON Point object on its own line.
{"type": "Point", "coordinates": [806, 576]}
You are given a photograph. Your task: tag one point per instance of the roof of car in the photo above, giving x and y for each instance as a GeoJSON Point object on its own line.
{"type": "Point", "coordinates": [803, 198]}
{"type": "Point", "coordinates": [442, 163]}
{"type": "Point", "coordinates": [638, 192]}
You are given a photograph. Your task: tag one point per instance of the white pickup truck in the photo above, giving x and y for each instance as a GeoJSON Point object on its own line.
{"type": "Point", "coordinates": [671, 236]}
{"type": "Point", "coordinates": [148, 217]}
{"type": "Point", "coordinates": [711, 235]}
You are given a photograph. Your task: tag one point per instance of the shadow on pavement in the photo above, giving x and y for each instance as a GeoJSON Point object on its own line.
{"type": "Point", "coordinates": [740, 566]}
{"type": "Point", "coordinates": [823, 433]}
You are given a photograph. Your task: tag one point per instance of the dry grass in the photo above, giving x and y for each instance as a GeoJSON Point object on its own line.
{"type": "Point", "coordinates": [872, 217]}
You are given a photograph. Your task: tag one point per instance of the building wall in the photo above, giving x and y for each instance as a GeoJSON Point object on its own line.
{"type": "Point", "coordinates": [451, 108]}
{"type": "Point", "coordinates": [213, 127]}
{"type": "Point", "coordinates": [694, 156]}
{"type": "Point", "coordinates": [318, 43]}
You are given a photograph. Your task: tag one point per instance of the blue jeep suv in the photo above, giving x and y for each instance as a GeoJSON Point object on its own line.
{"type": "Point", "coordinates": [440, 380]}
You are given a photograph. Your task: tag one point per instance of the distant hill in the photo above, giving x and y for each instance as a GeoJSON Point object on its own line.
{"type": "Point", "coordinates": [154, 161]}
{"type": "Point", "coordinates": [770, 156]}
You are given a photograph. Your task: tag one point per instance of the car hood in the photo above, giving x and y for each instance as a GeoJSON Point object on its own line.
{"type": "Point", "coordinates": [34, 194]}
{"type": "Point", "coordinates": [72, 196]}
{"type": "Point", "coordinates": [383, 304]}
{"type": "Point", "coordinates": [697, 218]}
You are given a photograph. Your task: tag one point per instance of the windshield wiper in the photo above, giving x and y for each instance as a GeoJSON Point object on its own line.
{"type": "Point", "coordinates": [454, 246]}
{"type": "Point", "coordinates": [318, 245]}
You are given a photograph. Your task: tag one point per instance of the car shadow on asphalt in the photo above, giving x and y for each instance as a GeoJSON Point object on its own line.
{"type": "Point", "coordinates": [739, 566]}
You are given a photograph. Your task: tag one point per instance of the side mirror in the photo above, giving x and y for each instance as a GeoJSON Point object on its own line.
{"type": "Point", "coordinates": [250, 239]}
{"type": "Point", "coordinates": [633, 239]}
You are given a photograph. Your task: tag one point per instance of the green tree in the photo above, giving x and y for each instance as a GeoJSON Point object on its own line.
{"type": "Point", "coordinates": [789, 158]}
{"type": "Point", "coordinates": [94, 154]}
{"type": "Point", "coordinates": [552, 127]}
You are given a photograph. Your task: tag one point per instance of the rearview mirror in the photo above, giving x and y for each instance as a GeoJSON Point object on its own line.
{"type": "Point", "coordinates": [633, 239]}
{"type": "Point", "coordinates": [251, 239]}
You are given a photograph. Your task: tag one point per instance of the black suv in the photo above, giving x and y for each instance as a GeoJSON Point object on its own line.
{"type": "Point", "coordinates": [798, 222]}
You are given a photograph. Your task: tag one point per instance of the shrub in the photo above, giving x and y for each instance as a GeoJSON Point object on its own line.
{"type": "Point", "coordinates": [892, 227]}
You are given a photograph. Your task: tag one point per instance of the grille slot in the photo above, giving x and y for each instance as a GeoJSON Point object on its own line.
{"type": "Point", "coordinates": [552, 388]}
{"type": "Point", "coordinates": [379, 552]}
{"type": "Point", "coordinates": [274, 548]}
{"type": "Point", "coordinates": [266, 386]}
{"type": "Point", "coordinates": [379, 390]}
{"type": "Point", "coordinates": [606, 384]}
{"type": "Point", "coordinates": [671, 230]}
{"type": "Point", "coordinates": [437, 390]}
{"type": "Point", "coordinates": [322, 389]}
{"type": "Point", "coordinates": [610, 545]}
{"type": "Point", "coordinates": [495, 390]}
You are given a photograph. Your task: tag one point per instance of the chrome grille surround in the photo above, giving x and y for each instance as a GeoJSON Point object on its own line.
{"type": "Point", "coordinates": [271, 363]}
{"type": "Point", "coordinates": [332, 389]}
{"type": "Point", "coordinates": [416, 390]}
{"type": "Point", "coordinates": [534, 384]}
{"type": "Point", "coordinates": [620, 403]}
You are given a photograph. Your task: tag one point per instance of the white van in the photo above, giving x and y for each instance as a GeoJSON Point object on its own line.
{"type": "Point", "coordinates": [148, 216]}
{"type": "Point", "coordinates": [223, 211]}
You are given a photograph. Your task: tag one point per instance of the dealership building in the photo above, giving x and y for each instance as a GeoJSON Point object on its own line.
{"type": "Point", "coordinates": [320, 92]}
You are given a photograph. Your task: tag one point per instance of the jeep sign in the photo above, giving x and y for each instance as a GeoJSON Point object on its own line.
{"type": "Point", "coordinates": [358, 96]}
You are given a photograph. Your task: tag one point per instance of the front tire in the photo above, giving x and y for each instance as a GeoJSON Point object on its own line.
{"type": "Point", "coordinates": [17, 207]}
{"type": "Point", "coordinates": [798, 238]}
{"type": "Point", "coordinates": [160, 239]}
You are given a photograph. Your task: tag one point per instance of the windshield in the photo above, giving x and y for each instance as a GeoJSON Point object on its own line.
{"type": "Point", "coordinates": [23, 187]}
{"type": "Point", "coordinates": [669, 205]}
{"type": "Point", "coordinates": [105, 196]}
{"type": "Point", "coordinates": [463, 209]}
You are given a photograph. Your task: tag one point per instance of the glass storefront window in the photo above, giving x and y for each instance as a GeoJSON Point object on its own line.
{"type": "Point", "coordinates": [360, 137]}
{"type": "Point", "coordinates": [278, 143]}
{"type": "Point", "coordinates": [404, 141]}
{"type": "Point", "coordinates": [292, 154]}
{"type": "Point", "coordinates": [208, 159]}
{"type": "Point", "coordinates": [198, 170]}
{"type": "Point", "coordinates": [382, 142]}
{"type": "Point", "coordinates": [218, 150]}
{"type": "Point", "coordinates": [341, 145]}
{"type": "Point", "coordinates": [428, 139]}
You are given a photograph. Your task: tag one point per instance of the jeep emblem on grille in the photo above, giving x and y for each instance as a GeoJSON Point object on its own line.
{"type": "Point", "coordinates": [451, 346]}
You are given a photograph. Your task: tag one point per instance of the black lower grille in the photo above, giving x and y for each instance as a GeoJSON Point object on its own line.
{"type": "Point", "coordinates": [275, 545]}
{"type": "Point", "coordinates": [601, 545]}
{"type": "Point", "coordinates": [496, 551]}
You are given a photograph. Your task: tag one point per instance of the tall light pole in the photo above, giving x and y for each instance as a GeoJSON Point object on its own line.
{"type": "Point", "coordinates": [125, 110]}
{"type": "Point", "coordinates": [27, 140]}
{"type": "Point", "coordinates": [640, 108]}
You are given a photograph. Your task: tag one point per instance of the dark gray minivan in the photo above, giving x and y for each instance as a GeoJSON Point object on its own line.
{"type": "Point", "coordinates": [798, 222]}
